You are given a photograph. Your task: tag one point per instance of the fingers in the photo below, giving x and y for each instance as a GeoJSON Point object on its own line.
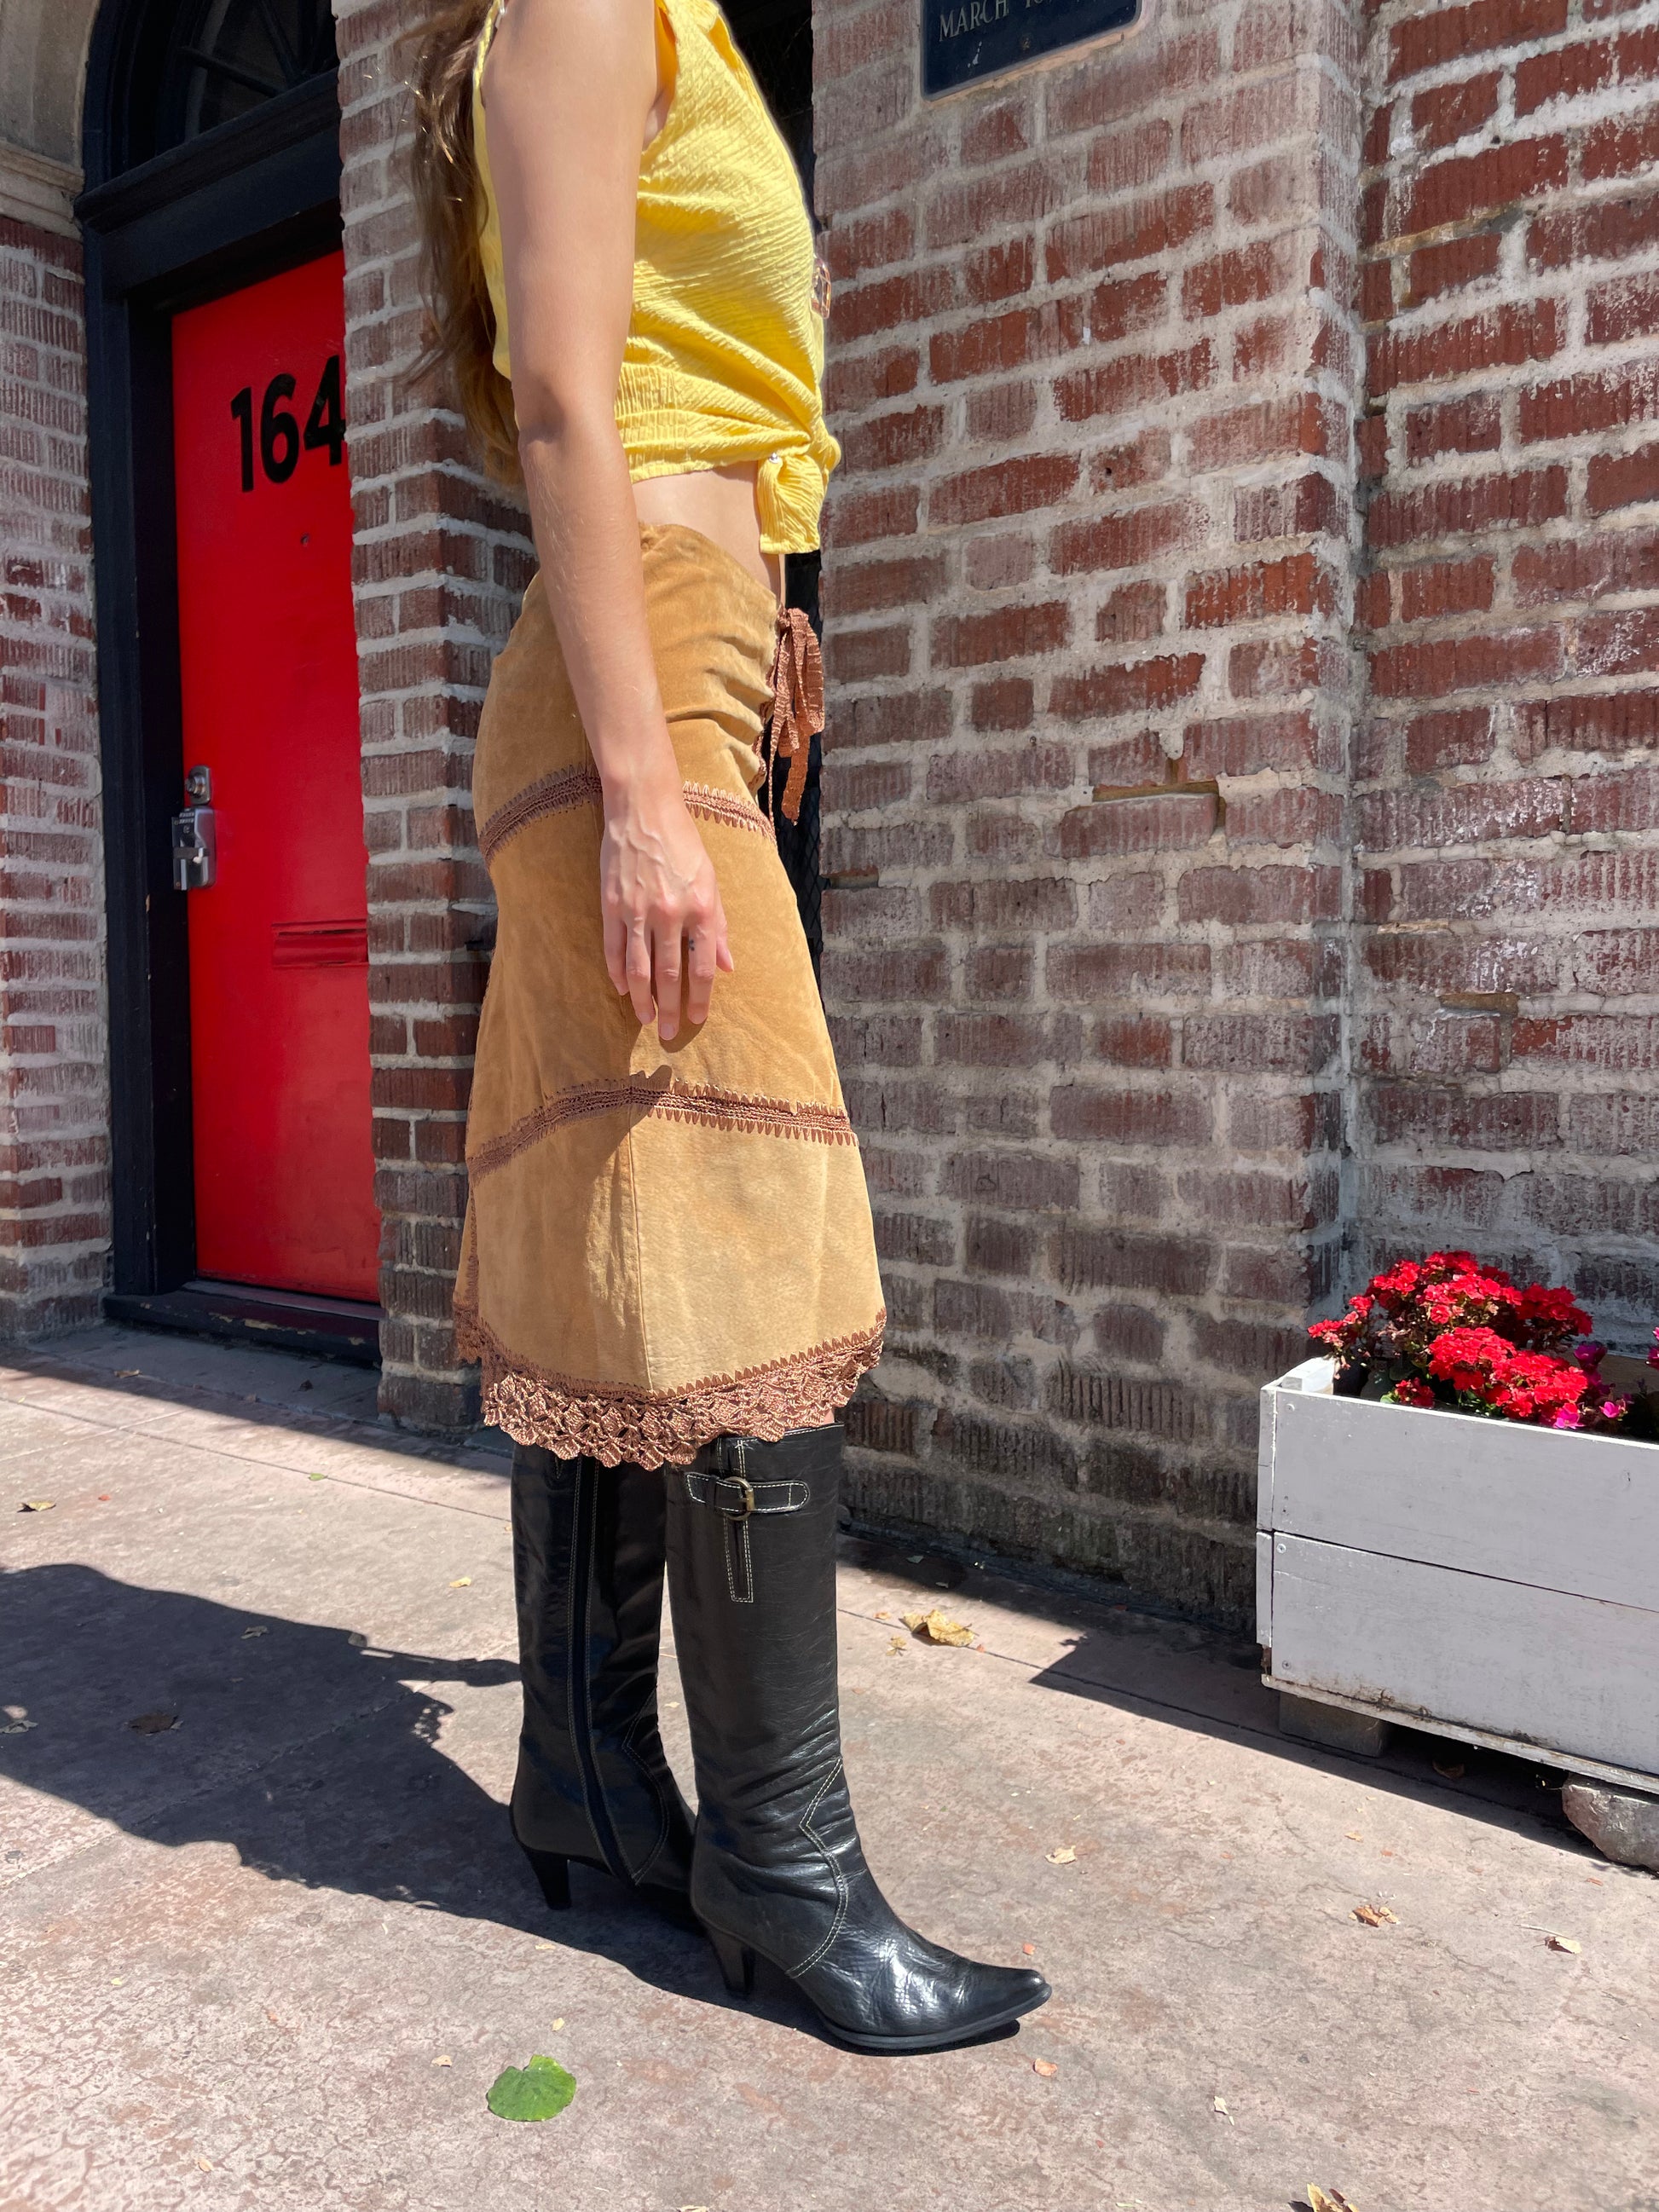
{"type": "Point", "coordinates": [616, 948]}
{"type": "Point", "coordinates": [666, 940]}
{"type": "Point", "coordinates": [638, 969]}
{"type": "Point", "coordinates": [664, 929]}
{"type": "Point", "coordinates": [701, 960]}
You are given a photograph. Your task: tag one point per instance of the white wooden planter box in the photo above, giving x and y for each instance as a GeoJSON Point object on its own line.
{"type": "Point", "coordinates": [1481, 1579]}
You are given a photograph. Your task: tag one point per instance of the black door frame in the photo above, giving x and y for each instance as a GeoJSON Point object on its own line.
{"type": "Point", "coordinates": [245, 201]}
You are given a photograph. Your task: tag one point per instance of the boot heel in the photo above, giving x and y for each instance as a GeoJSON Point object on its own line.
{"type": "Point", "coordinates": [737, 1963]}
{"type": "Point", "coordinates": [553, 1873]}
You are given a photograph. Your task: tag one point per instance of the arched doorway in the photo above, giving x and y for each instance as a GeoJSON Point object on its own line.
{"type": "Point", "coordinates": [243, 1171]}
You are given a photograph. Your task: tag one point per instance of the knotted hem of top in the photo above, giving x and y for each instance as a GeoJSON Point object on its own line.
{"type": "Point", "coordinates": [573, 1416]}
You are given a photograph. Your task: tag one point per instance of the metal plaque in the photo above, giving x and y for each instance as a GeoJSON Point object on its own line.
{"type": "Point", "coordinates": [964, 39]}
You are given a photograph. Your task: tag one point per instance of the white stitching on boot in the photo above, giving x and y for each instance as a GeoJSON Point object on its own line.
{"type": "Point", "coordinates": [839, 1922]}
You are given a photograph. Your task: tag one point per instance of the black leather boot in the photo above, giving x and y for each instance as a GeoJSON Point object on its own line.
{"type": "Point", "coordinates": [778, 1871]}
{"type": "Point", "coordinates": [593, 1783]}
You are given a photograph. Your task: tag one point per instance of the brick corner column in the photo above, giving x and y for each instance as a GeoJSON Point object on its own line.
{"type": "Point", "coordinates": [442, 557]}
{"type": "Point", "coordinates": [1088, 587]}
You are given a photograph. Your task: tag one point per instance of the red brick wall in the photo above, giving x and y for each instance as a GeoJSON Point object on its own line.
{"type": "Point", "coordinates": [1088, 585]}
{"type": "Point", "coordinates": [54, 1106]}
{"type": "Point", "coordinates": [441, 561]}
{"type": "Point", "coordinates": [1507, 789]}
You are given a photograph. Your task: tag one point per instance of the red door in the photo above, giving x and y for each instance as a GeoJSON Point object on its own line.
{"type": "Point", "coordinates": [278, 941]}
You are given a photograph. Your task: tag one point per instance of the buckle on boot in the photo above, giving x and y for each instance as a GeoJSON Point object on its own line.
{"type": "Point", "coordinates": [738, 1482]}
{"type": "Point", "coordinates": [710, 1489]}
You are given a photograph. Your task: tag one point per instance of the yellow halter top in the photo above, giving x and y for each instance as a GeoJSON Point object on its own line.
{"type": "Point", "coordinates": [725, 352]}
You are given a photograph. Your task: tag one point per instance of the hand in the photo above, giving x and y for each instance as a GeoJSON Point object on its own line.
{"type": "Point", "coordinates": [660, 905]}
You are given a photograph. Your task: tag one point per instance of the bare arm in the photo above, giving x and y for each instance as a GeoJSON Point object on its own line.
{"type": "Point", "coordinates": [571, 91]}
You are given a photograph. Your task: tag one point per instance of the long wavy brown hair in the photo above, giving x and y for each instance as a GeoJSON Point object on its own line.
{"type": "Point", "coordinates": [449, 203]}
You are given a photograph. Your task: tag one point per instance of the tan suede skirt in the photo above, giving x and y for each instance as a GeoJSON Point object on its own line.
{"type": "Point", "coordinates": [664, 1244]}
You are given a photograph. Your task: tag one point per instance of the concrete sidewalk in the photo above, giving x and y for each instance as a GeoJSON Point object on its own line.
{"type": "Point", "coordinates": [235, 1950]}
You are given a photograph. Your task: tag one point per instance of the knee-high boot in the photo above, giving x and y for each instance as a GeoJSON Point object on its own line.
{"type": "Point", "coordinates": [593, 1782]}
{"type": "Point", "coordinates": [778, 1870]}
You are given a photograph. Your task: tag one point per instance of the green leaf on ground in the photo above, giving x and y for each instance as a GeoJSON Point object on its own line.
{"type": "Point", "coordinates": [535, 2091]}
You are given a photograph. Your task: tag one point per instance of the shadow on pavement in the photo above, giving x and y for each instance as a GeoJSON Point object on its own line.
{"type": "Point", "coordinates": [314, 1756]}
{"type": "Point", "coordinates": [1144, 1658]}
{"type": "Point", "coordinates": [135, 1369]}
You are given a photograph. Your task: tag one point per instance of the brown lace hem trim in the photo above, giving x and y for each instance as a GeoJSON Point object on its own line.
{"type": "Point", "coordinates": [710, 805]}
{"type": "Point", "coordinates": [700, 1102]}
{"type": "Point", "coordinates": [569, 1415]}
{"type": "Point", "coordinates": [581, 786]}
{"type": "Point", "coordinates": [549, 795]}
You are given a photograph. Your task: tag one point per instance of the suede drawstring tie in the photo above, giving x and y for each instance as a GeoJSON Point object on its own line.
{"type": "Point", "coordinates": [797, 706]}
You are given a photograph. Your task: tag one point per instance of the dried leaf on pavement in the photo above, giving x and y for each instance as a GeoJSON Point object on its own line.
{"type": "Point", "coordinates": [18, 1727]}
{"type": "Point", "coordinates": [462, 1581]}
{"type": "Point", "coordinates": [538, 2091]}
{"type": "Point", "coordinates": [1046, 2067]}
{"type": "Point", "coordinates": [1219, 2105]}
{"type": "Point", "coordinates": [37, 1505]}
{"type": "Point", "coordinates": [1326, 2200]}
{"type": "Point", "coordinates": [154, 1723]}
{"type": "Point", "coordinates": [937, 1627]}
{"type": "Point", "coordinates": [356, 1640]}
{"type": "Point", "coordinates": [1376, 1916]}
{"type": "Point", "coordinates": [258, 1630]}
{"type": "Point", "coordinates": [1062, 1855]}
{"type": "Point", "coordinates": [443, 2062]}
{"type": "Point", "coordinates": [1353, 1835]}
{"type": "Point", "coordinates": [895, 1646]}
{"type": "Point", "coordinates": [1570, 1943]}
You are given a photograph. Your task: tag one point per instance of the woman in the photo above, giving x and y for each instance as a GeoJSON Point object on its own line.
{"type": "Point", "coordinates": [668, 1272]}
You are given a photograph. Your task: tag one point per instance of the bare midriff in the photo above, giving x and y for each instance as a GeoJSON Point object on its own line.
{"type": "Point", "coordinates": [720, 504]}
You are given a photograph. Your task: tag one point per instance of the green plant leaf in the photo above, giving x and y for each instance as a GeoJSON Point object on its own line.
{"type": "Point", "coordinates": [535, 2091]}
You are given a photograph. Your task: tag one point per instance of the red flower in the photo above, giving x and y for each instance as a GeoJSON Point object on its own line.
{"type": "Point", "coordinates": [1468, 1359]}
{"type": "Point", "coordinates": [1410, 1391]}
{"type": "Point", "coordinates": [1520, 1354]}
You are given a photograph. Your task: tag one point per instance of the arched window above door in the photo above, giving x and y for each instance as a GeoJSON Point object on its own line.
{"type": "Point", "coordinates": [241, 53]}
{"type": "Point", "coordinates": [178, 68]}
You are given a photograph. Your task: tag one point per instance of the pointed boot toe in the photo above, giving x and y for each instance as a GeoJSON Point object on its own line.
{"type": "Point", "coordinates": [915, 1997]}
